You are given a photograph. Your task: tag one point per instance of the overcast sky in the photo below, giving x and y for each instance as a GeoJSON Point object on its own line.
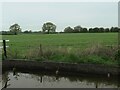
{"type": "Point", "coordinates": [32, 15]}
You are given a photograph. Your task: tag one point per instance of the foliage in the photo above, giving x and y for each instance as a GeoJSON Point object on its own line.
{"type": "Point", "coordinates": [77, 28]}
{"type": "Point", "coordinates": [96, 56]}
{"type": "Point", "coordinates": [117, 56]}
{"type": "Point", "coordinates": [84, 30]}
{"type": "Point", "coordinates": [114, 29]}
{"type": "Point", "coordinates": [68, 30]}
{"type": "Point", "coordinates": [27, 31]}
{"type": "Point", "coordinates": [106, 30]}
{"type": "Point", "coordinates": [49, 27]}
{"type": "Point", "coordinates": [15, 29]}
{"type": "Point", "coordinates": [96, 29]}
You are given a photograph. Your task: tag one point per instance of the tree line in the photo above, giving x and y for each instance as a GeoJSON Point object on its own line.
{"type": "Point", "coordinates": [79, 29]}
{"type": "Point", "coordinates": [49, 27]}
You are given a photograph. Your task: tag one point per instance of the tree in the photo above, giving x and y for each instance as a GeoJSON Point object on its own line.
{"type": "Point", "coordinates": [68, 30]}
{"type": "Point", "coordinates": [96, 29]}
{"type": "Point", "coordinates": [84, 30]}
{"type": "Point", "coordinates": [15, 28]}
{"type": "Point", "coordinates": [91, 30]}
{"type": "Point", "coordinates": [101, 29]}
{"type": "Point", "coordinates": [78, 28]}
{"type": "Point", "coordinates": [27, 31]}
{"type": "Point", "coordinates": [49, 27]}
{"type": "Point", "coordinates": [114, 29]}
{"type": "Point", "coordinates": [106, 30]}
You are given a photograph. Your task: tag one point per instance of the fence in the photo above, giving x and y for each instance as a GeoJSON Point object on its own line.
{"type": "Point", "coordinates": [4, 47]}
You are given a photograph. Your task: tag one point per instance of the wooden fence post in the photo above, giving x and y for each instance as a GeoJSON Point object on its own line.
{"type": "Point", "coordinates": [41, 52]}
{"type": "Point", "coordinates": [4, 48]}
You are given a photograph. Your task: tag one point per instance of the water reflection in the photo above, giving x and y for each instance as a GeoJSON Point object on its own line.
{"type": "Point", "coordinates": [5, 80]}
{"type": "Point", "coordinates": [26, 80]}
{"type": "Point", "coordinates": [0, 82]}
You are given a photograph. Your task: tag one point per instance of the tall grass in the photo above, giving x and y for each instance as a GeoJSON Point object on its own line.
{"type": "Point", "coordinates": [97, 54]}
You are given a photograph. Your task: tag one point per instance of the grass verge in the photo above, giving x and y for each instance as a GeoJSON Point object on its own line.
{"type": "Point", "coordinates": [96, 54]}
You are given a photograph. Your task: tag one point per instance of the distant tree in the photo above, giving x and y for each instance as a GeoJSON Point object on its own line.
{"type": "Point", "coordinates": [101, 29]}
{"type": "Point", "coordinates": [119, 30]}
{"type": "Point", "coordinates": [78, 28]}
{"type": "Point", "coordinates": [91, 30]}
{"type": "Point", "coordinates": [15, 29]}
{"type": "Point", "coordinates": [84, 30]}
{"type": "Point", "coordinates": [111, 29]}
{"type": "Point", "coordinates": [69, 30]}
{"type": "Point", "coordinates": [114, 29]}
{"type": "Point", "coordinates": [106, 30]}
{"type": "Point", "coordinates": [49, 27]}
{"type": "Point", "coordinates": [96, 29]}
{"type": "Point", "coordinates": [27, 31]}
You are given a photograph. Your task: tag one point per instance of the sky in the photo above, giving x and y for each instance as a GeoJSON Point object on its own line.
{"type": "Point", "coordinates": [32, 15]}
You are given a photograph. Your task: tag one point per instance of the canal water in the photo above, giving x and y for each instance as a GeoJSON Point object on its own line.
{"type": "Point", "coordinates": [42, 80]}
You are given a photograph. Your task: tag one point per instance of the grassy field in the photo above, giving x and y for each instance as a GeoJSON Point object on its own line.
{"type": "Point", "coordinates": [77, 40]}
{"type": "Point", "coordinates": [27, 45]}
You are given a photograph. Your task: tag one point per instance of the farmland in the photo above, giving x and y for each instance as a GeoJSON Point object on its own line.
{"type": "Point", "coordinates": [27, 45]}
{"type": "Point", "coordinates": [77, 40]}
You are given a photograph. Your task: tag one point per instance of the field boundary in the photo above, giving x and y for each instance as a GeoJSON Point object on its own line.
{"type": "Point", "coordinates": [60, 67]}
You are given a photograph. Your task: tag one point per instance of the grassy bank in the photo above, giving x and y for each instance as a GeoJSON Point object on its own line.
{"type": "Point", "coordinates": [98, 48]}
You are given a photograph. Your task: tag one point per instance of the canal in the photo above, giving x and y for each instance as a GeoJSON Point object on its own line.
{"type": "Point", "coordinates": [53, 80]}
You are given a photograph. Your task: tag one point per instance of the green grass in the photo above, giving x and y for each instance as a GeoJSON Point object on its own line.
{"type": "Point", "coordinates": [77, 40]}
{"type": "Point", "coordinates": [63, 47]}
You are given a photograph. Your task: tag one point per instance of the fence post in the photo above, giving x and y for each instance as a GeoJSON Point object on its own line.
{"type": "Point", "coordinates": [4, 48]}
{"type": "Point", "coordinates": [41, 52]}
